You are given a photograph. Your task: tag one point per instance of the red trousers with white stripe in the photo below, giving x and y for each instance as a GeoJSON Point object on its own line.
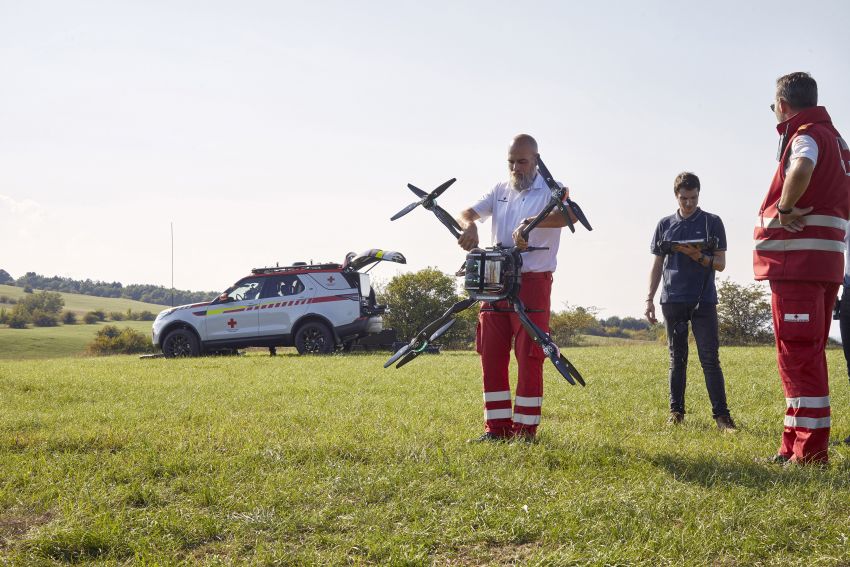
{"type": "Point", "coordinates": [802, 312]}
{"type": "Point", "coordinates": [498, 327]}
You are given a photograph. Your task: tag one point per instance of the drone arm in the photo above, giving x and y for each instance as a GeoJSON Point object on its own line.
{"type": "Point", "coordinates": [564, 366]}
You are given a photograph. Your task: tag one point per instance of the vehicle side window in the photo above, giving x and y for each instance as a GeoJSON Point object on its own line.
{"type": "Point", "coordinates": [283, 286]}
{"type": "Point", "coordinates": [245, 290]}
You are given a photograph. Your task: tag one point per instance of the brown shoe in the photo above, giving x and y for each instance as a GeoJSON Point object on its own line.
{"type": "Point", "coordinates": [725, 423]}
{"type": "Point", "coordinates": [675, 418]}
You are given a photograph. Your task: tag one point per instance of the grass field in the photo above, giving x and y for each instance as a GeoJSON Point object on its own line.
{"type": "Point", "coordinates": [84, 303]}
{"type": "Point", "coordinates": [303, 460]}
{"type": "Point", "coordinates": [56, 342]}
{"type": "Point", "coordinates": [66, 340]}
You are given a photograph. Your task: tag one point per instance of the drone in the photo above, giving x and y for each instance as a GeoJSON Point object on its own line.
{"type": "Point", "coordinates": [493, 274]}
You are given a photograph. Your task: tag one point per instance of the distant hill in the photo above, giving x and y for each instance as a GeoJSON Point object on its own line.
{"type": "Point", "coordinates": [138, 292]}
{"type": "Point", "coordinates": [81, 304]}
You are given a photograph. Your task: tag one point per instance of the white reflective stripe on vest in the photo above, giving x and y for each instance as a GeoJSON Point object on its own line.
{"type": "Point", "coordinates": [800, 244]}
{"type": "Point", "coordinates": [526, 419]}
{"type": "Point", "coordinates": [505, 413]}
{"type": "Point", "coordinates": [807, 402]}
{"type": "Point", "coordinates": [497, 396]}
{"type": "Point", "coordinates": [810, 220]}
{"type": "Point", "coordinates": [807, 422]}
{"type": "Point", "coordinates": [529, 402]}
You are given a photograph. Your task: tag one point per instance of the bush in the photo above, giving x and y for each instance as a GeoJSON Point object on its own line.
{"type": "Point", "coordinates": [4, 316]}
{"type": "Point", "coordinates": [743, 314]}
{"type": "Point", "coordinates": [111, 340]}
{"type": "Point", "coordinates": [116, 316]}
{"type": "Point", "coordinates": [27, 289]}
{"type": "Point", "coordinates": [69, 318]}
{"type": "Point", "coordinates": [565, 326]}
{"type": "Point", "coordinates": [41, 318]}
{"type": "Point", "coordinates": [17, 320]}
{"type": "Point", "coordinates": [90, 318]}
{"type": "Point", "coordinates": [101, 316]}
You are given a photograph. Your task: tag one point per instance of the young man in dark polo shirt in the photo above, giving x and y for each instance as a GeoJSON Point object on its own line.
{"type": "Point", "coordinates": [688, 294]}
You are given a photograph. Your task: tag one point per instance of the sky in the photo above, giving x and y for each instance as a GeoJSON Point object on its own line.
{"type": "Point", "coordinates": [274, 132]}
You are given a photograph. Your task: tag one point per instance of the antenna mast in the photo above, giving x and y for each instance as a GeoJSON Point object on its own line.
{"type": "Point", "coordinates": [172, 263]}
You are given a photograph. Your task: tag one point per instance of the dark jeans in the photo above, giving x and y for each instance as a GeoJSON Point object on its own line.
{"type": "Point", "coordinates": [704, 324]}
{"type": "Point", "coordinates": [844, 324]}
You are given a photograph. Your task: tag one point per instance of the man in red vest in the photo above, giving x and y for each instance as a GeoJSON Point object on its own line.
{"type": "Point", "coordinates": [799, 249]}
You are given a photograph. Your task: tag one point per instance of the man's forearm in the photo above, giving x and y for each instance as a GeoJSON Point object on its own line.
{"type": "Point", "coordinates": [796, 182]}
{"type": "Point", "coordinates": [467, 218]}
{"type": "Point", "coordinates": [655, 277]}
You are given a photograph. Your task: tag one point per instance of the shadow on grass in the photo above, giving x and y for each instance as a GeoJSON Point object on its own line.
{"type": "Point", "coordinates": [711, 472]}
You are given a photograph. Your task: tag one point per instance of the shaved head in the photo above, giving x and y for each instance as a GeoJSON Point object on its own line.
{"type": "Point", "coordinates": [524, 141]}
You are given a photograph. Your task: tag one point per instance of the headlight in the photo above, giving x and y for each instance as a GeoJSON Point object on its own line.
{"type": "Point", "coordinates": [166, 313]}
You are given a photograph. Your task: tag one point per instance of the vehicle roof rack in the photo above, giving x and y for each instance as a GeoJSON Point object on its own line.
{"type": "Point", "coordinates": [296, 267]}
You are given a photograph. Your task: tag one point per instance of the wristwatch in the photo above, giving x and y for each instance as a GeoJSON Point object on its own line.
{"type": "Point", "coordinates": [784, 211]}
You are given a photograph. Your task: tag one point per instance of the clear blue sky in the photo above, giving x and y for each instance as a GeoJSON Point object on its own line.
{"type": "Point", "coordinates": [283, 131]}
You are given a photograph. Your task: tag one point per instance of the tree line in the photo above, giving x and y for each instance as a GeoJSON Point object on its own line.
{"type": "Point", "coordinates": [418, 298]}
{"type": "Point", "coordinates": [140, 292]}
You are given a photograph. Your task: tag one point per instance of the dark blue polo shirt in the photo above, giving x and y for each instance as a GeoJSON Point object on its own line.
{"type": "Point", "coordinates": [682, 278]}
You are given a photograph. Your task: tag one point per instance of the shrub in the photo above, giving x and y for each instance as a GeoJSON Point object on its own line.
{"type": "Point", "coordinates": [146, 316]}
{"type": "Point", "coordinates": [27, 289]}
{"type": "Point", "coordinates": [116, 316]}
{"type": "Point", "coordinates": [69, 318]}
{"type": "Point", "coordinates": [90, 318]}
{"type": "Point", "coordinates": [101, 316]}
{"type": "Point", "coordinates": [17, 320]}
{"type": "Point", "coordinates": [4, 316]}
{"type": "Point", "coordinates": [41, 318]}
{"type": "Point", "coordinates": [111, 340]}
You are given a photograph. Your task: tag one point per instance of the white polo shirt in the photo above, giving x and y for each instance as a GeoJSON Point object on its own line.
{"type": "Point", "coordinates": [509, 207]}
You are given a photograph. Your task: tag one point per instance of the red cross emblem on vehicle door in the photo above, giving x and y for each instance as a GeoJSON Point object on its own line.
{"type": "Point", "coordinates": [331, 280]}
{"type": "Point", "coordinates": [232, 322]}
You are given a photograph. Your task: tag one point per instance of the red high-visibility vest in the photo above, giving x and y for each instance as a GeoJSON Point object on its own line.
{"type": "Point", "coordinates": [817, 252]}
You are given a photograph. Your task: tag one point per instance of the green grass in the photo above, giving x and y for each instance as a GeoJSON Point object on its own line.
{"type": "Point", "coordinates": [56, 342]}
{"type": "Point", "coordinates": [304, 460]}
{"type": "Point", "coordinates": [84, 303]}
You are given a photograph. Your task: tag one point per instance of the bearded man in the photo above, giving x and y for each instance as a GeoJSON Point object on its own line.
{"type": "Point", "coordinates": [512, 204]}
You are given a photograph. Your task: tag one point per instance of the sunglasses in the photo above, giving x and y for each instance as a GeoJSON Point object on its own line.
{"type": "Point", "coordinates": [773, 107]}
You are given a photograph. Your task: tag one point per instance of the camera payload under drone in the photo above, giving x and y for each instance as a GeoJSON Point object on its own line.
{"type": "Point", "coordinates": [493, 274]}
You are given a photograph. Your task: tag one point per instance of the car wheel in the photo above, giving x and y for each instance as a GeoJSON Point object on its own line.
{"type": "Point", "coordinates": [180, 342]}
{"type": "Point", "coordinates": [314, 338]}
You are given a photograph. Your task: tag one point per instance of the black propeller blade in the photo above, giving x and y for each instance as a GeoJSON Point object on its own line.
{"type": "Point", "coordinates": [429, 202]}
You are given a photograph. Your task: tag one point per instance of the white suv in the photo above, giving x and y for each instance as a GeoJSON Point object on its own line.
{"type": "Point", "coordinates": [314, 307]}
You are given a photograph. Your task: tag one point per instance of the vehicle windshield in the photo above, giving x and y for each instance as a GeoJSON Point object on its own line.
{"type": "Point", "coordinates": [240, 291]}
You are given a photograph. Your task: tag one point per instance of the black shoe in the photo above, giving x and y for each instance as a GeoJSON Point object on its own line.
{"type": "Point", "coordinates": [489, 437]}
{"type": "Point", "coordinates": [725, 423]}
{"type": "Point", "coordinates": [675, 418]}
{"type": "Point", "coordinates": [846, 441]}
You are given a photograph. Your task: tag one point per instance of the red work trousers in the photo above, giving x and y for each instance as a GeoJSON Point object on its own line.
{"type": "Point", "coordinates": [498, 326]}
{"type": "Point", "coordinates": [802, 312]}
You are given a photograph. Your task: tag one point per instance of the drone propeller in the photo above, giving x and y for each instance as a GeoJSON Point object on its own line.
{"type": "Point", "coordinates": [441, 331]}
{"type": "Point", "coordinates": [557, 189]}
{"type": "Point", "coordinates": [405, 210]}
{"type": "Point", "coordinates": [565, 212]}
{"type": "Point", "coordinates": [579, 214]}
{"type": "Point", "coordinates": [398, 354]}
{"type": "Point", "coordinates": [429, 202]}
{"type": "Point", "coordinates": [417, 191]}
{"type": "Point", "coordinates": [429, 334]}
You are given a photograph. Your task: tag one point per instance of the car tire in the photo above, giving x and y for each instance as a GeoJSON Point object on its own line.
{"type": "Point", "coordinates": [180, 343]}
{"type": "Point", "coordinates": [314, 338]}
